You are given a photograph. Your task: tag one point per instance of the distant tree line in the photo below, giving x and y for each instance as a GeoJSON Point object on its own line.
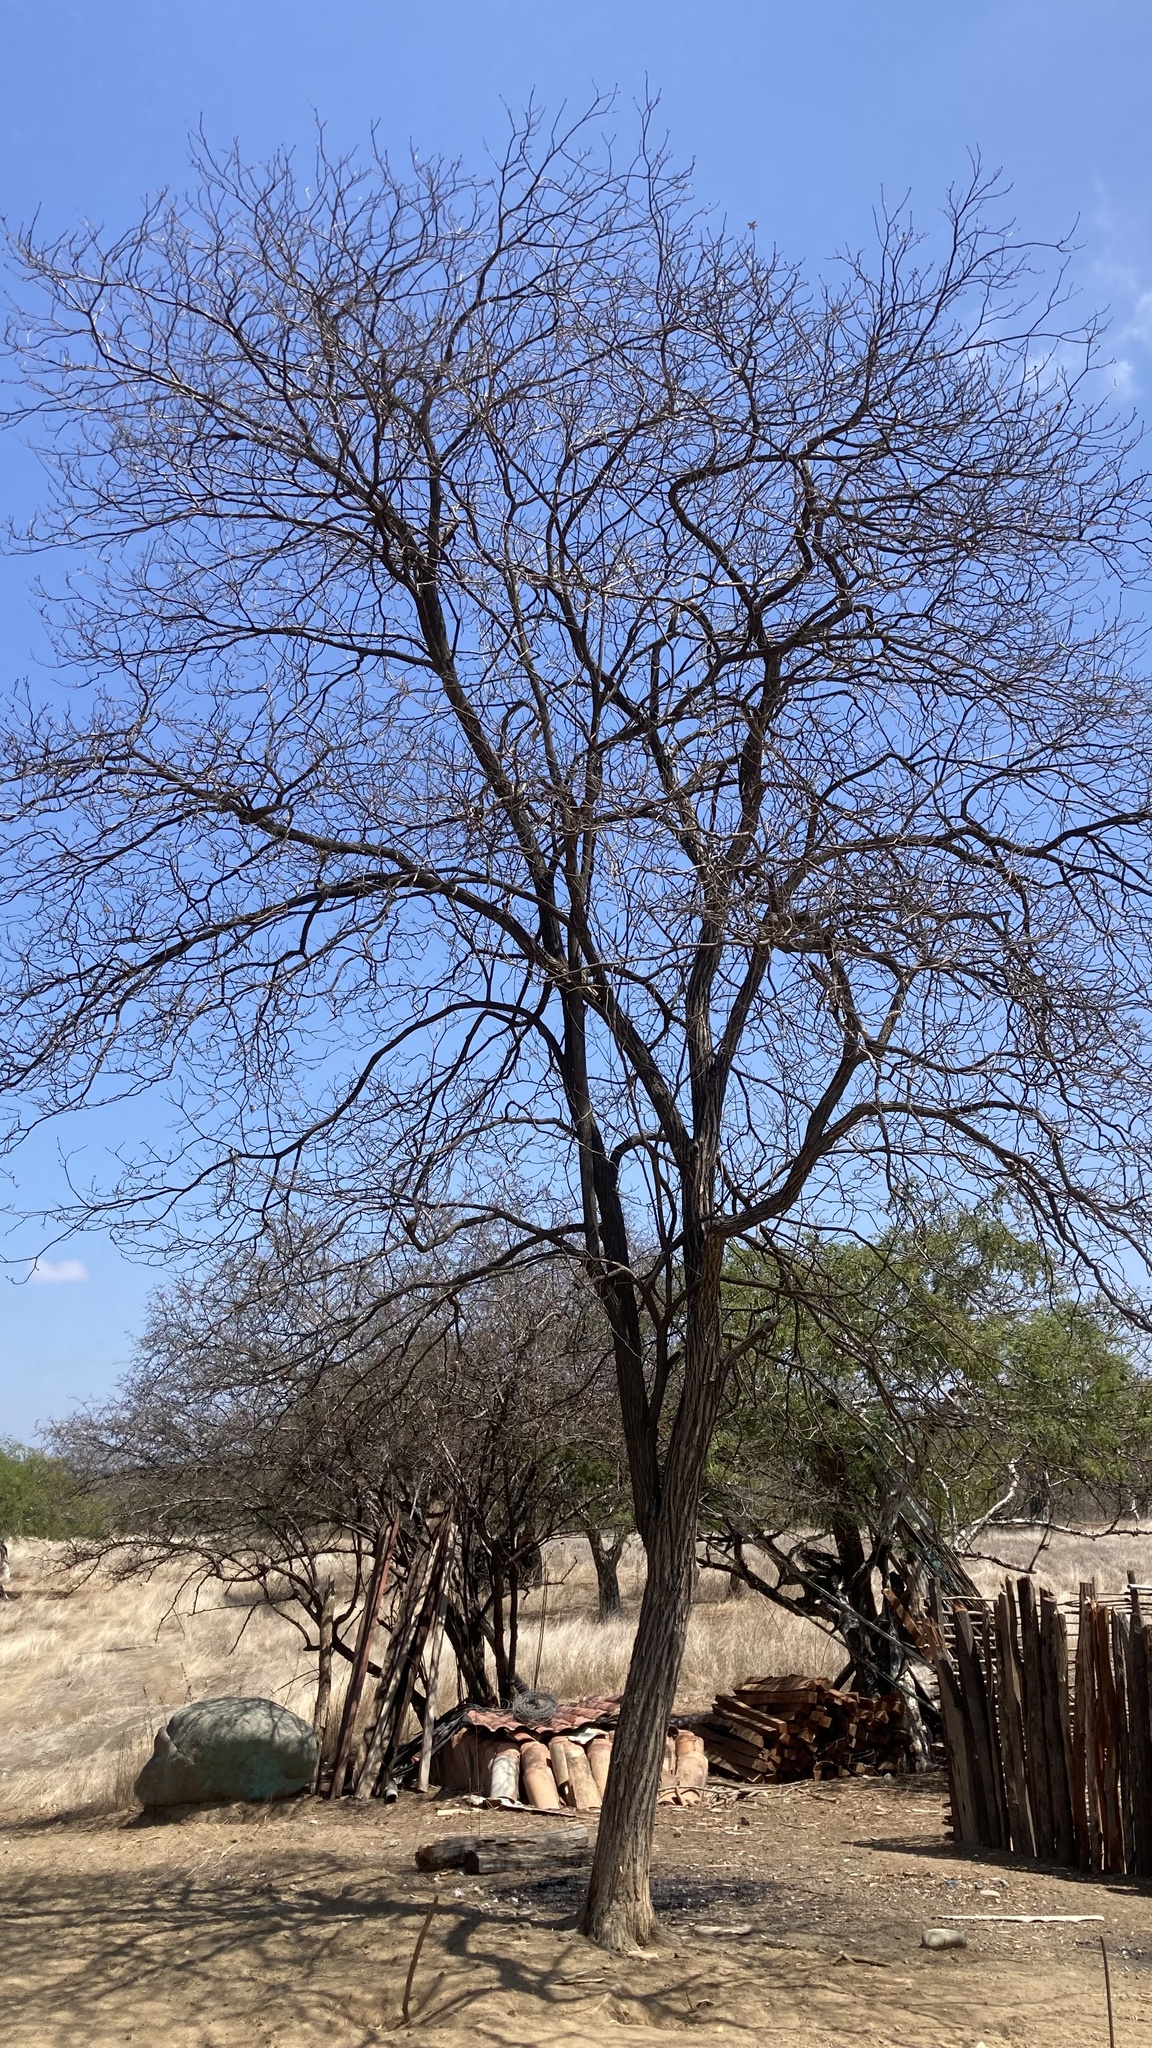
{"type": "Point", "coordinates": [40, 1496]}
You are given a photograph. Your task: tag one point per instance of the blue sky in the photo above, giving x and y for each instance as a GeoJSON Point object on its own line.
{"type": "Point", "coordinates": [796, 117]}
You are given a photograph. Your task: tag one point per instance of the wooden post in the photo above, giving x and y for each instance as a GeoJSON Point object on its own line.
{"type": "Point", "coordinates": [1035, 1735]}
{"type": "Point", "coordinates": [1140, 1736]}
{"type": "Point", "coordinates": [983, 1748]}
{"type": "Point", "coordinates": [1107, 1744]}
{"type": "Point", "coordinates": [1058, 1730]}
{"type": "Point", "coordinates": [398, 1675]}
{"type": "Point", "coordinates": [1119, 1623]}
{"type": "Point", "coordinates": [377, 1587]}
{"type": "Point", "coordinates": [995, 1730]}
{"type": "Point", "coordinates": [1086, 1692]}
{"type": "Point", "coordinates": [437, 1645]}
{"type": "Point", "coordinates": [956, 1756]}
{"type": "Point", "coordinates": [1078, 1773]}
{"type": "Point", "coordinates": [321, 1711]}
{"type": "Point", "coordinates": [1011, 1704]}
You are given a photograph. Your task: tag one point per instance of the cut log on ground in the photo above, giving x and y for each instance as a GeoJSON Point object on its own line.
{"type": "Point", "coordinates": [450, 1852]}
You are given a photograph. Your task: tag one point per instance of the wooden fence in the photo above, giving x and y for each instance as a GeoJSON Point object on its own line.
{"type": "Point", "coordinates": [1048, 1725]}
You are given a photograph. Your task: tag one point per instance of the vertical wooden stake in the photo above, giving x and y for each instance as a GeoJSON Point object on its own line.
{"type": "Point", "coordinates": [374, 1594]}
{"type": "Point", "coordinates": [543, 1625]}
{"type": "Point", "coordinates": [420, 1944]}
{"type": "Point", "coordinates": [1108, 1993]}
{"type": "Point", "coordinates": [437, 1646]}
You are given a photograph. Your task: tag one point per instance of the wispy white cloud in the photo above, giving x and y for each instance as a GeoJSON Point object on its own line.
{"type": "Point", "coordinates": [56, 1270]}
{"type": "Point", "coordinates": [1120, 259]}
{"type": "Point", "coordinates": [1140, 324]}
{"type": "Point", "coordinates": [1122, 377]}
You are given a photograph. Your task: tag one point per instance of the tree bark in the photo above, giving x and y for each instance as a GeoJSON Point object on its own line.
{"type": "Point", "coordinates": [607, 1562]}
{"type": "Point", "coordinates": [321, 1712]}
{"type": "Point", "coordinates": [618, 1913]}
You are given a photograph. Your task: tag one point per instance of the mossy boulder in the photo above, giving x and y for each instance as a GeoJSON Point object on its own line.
{"type": "Point", "coordinates": [228, 1749]}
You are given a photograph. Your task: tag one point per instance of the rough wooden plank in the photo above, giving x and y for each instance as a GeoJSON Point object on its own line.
{"type": "Point", "coordinates": [1086, 1721]}
{"type": "Point", "coordinates": [1076, 1772]}
{"type": "Point", "coordinates": [377, 1587]}
{"type": "Point", "coordinates": [1010, 1700]}
{"type": "Point", "coordinates": [1107, 1761]}
{"type": "Point", "coordinates": [1058, 1728]}
{"type": "Point", "coordinates": [1035, 1739]}
{"type": "Point", "coordinates": [1140, 1737]}
{"type": "Point", "coordinates": [995, 1732]}
{"type": "Point", "coordinates": [410, 1628]}
{"type": "Point", "coordinates": [1119, 1626]}
{"type": "Point", "coordinates": [984, 1749]}
{"type": "Point", "coordinates": [956, 1750]}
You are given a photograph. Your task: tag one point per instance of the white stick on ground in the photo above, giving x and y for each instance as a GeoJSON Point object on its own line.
{"type": "Point", "coordinates": [1066, 1919]}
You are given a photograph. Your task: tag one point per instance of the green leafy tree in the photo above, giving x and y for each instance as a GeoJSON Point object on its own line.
{"type": "Point", "coordinates": [39, 1496]}
{"type": "Point", "coordinates": [910, 1392]}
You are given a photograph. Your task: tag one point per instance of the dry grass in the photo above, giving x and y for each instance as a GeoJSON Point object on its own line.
{"type": "Point", "coordinates": [1063, 1562]}
{"type": "Point", "coordinates": [89, 1672]}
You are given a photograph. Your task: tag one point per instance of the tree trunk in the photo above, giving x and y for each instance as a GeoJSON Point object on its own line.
{"type": "Point", "coordinates": [466, 1635]}
{"type": "Point", "coordinates": [607, 1561]}
{"type": "Point", "coordinates": [322, 1710]}
{"type": "Point", "coordinates": [618, 1913]}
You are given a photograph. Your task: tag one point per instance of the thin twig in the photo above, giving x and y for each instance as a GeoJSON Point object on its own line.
{"type": "Point", "coordinates": [1108, 1993]}
{"type": "Point", "coordinates": [416, 1957]}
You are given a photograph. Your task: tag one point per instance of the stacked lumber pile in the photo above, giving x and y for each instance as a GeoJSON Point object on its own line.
{"type": "Point", "coordinates": [799, 1727]}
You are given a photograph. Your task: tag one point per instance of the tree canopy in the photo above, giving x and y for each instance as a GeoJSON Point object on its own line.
{"type": "Point", "coordinates": [591, 730]}
{"type": "Point", "coordinates": [932, 1379]}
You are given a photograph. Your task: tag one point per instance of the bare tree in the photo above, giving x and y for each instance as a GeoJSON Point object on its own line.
{"type": "Point", "coordinates": [282, 1409]}
{"type": "Point", "coordinates": [579, 708]}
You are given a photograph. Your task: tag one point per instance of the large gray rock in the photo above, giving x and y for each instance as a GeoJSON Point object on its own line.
{"type": "Point", "coordinates": [228, 1749]}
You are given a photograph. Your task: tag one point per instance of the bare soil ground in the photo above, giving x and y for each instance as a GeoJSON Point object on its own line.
{"type": "Point", "coordinates": [294, 1928]}
{"type": "Point", "coordinates": [791, 1917]}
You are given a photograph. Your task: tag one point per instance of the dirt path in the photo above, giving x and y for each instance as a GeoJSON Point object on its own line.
{"type": "Point", "coordinates": [293, 1931]}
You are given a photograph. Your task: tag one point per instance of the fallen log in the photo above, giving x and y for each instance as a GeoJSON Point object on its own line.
{"type": "Point", "coordinates": [487, 1856]}
{"type": "Point", "coordinates": [450, 1852]}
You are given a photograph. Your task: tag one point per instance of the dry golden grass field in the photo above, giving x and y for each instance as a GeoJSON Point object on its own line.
{"type": "Point", "coordinates": [88, 1671]}
{"type": "Point", "coordinates": [789, 1917]}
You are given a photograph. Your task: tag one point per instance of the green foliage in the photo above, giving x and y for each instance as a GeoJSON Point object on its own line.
{"type": "Point", "coordinates": [39, 1497]}
{"type": "Point", "coordinates": [942, 1364]}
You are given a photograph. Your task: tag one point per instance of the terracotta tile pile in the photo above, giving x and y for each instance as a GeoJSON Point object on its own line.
{"type": "Point", "coordinates": [798, 1727]}
{"type": "Point", "coordinates": [562, 1762]}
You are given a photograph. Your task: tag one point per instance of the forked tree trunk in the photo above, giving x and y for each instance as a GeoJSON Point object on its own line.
{"type": "Point", "coordinates": [618, 1913]}
{"type": "Point", "coordinates": [607, 1563]}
